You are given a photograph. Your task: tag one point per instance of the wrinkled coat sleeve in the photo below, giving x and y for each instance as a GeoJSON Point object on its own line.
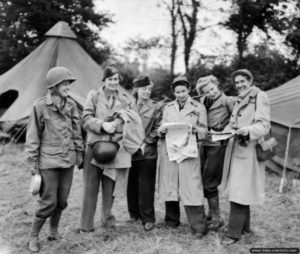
{"type": "Point", "coordinates": [89, 121]}
{"type": "Point", "coordinates": [77, 135]}
{"type": "Point", "coordinates": [34, 133]}
{"type": "Point", "coordinates": [202, 122]}
{"type": "Point", "coordinates": [261, 126]}
{"type": "Point", "coordinates": [152, 137]}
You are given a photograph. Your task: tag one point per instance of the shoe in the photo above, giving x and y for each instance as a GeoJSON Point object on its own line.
{"type": "Point", "coordinates": [133, 220]}
{"type": "Point", "coordinates": [228, 241]}
{"type": "Point", "coordinates": [83, 231]}
{"type": "Point", "coordinates": [171, 224]}
{"type": "Point", "coordinates": [215, 224]}
{"type": "Point", "coordinates": [53, 237]}
{"type": "Point", "coordinates": [198, 235]}
{"type": "Point", "coordinates": [33, 244]}
{"type": "Point", "coordinates": [149, 226]}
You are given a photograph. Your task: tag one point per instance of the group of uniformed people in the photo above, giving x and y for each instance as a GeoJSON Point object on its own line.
{"type": "Point", "coordinates": [137, 129]}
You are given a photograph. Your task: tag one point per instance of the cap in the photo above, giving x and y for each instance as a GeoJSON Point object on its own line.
{"type": "Point", "coordinates": [181, 80]}
{"type": "Point", "coordinates": [243, 72]}
{"type": "Point", "coordinates": [141, 81]}
{"type": "Point", "coordinates": [109, 71]}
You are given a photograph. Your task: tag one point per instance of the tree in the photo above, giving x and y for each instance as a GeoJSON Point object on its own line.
{"type": "Point", "coordinates": [293, 36]}
{"type": "Point", "coordinates": [173, 11]}
{"type": "Point", "coordinates": [24, 22]}
{"type": "Point", "coordinates": [142, 47]}
{"type": "Point", "coordinates": [263, 14]}
{"type": "Point", "coordinates": [189, 26]}
{"type": "Point", "coordinates": [269, 68]}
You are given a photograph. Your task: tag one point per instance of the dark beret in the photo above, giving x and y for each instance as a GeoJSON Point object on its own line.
{"type": "Point", "coordinates": [141, 81]}
{"type": "Point", "coordinates": [109, 71]}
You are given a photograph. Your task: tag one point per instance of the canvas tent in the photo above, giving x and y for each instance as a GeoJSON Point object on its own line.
{"type": "Point", "coordinates": [25, 82]}
{"type": "Point", "coordinates": [285, 118]}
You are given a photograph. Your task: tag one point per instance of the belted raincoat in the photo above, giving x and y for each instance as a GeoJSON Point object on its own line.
{"type": "Point", "coordinates": [182, 181]}
{"type": "Point", "coordinates": [243, 175]}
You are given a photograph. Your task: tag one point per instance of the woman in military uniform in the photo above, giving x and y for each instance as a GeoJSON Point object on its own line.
{"type": "Point", "coordinates": [182, 181]}
{"type": "Point", "coordinates": [219, 108]}
{"type": "Point", "coordinates": [53, 147]}
{"type": "Point", "coordinates": [100, 107]}
{"type": "Point", "coordinates": [243, 175]}
{"type": "Point", "coordinates": [142, 175]}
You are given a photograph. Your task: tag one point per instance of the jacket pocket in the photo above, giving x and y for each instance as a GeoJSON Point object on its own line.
{"type": "Point", "coordinates": [51, 149]}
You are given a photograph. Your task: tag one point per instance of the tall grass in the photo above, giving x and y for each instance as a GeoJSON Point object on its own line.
{"type": "Point", "coordinates": [276, 224]}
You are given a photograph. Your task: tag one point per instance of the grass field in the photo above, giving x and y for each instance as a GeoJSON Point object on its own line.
{"type": "Point", "coordinates": [276, 224]}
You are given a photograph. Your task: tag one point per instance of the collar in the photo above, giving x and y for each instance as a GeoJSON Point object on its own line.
{"type": "Point", "coordinates": [251, 92]}
{"type": "Point", "coordinates": [188, 100]}
{"type": "Point", "coordinates": [67, 107]}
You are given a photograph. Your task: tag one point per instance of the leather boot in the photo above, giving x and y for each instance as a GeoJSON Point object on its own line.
{"type": "Point", "coordinates": [33, 243]}
{"type": "Point", "coordinates": [216, 220]}
{"type": "Point", "coordinates": [54, 221]}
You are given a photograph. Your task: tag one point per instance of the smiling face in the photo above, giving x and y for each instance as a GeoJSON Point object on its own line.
{"type": "Point", "coordinates": [111, 83]}
{"type": "Point", "coordinates": [181, 93]}
{"type": "Point", "coordinates": [63, 88]}
{"type": "Point", "coordinates": [211, 91]}
{"type": "Point", "coordinates": [144, 92]}
{"type": "Point", "coordinates": [242, 83]}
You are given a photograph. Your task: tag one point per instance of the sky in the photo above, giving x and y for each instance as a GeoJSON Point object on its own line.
{"type": "Point", "coordinates": [132, 18]}
{"type": "Point", "coordinates": [146, 18]}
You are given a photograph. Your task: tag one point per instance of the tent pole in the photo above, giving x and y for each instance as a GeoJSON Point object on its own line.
{"type": "Point", "coordinates": [283, 177]}
{"type": "Point", "coordinates": [19, 133]}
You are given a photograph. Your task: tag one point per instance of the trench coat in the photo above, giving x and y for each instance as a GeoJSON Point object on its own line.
{"type": "Point", "coordinates": [151, 115]}
{"type": "Point", "coordinates": [96, 110]}
{"type": "Point", "coordinates": [53, 138]}
{"type": "Point", "coordinates": [182, 181]}
{"type": "Point", "coordinates": [243, 175]}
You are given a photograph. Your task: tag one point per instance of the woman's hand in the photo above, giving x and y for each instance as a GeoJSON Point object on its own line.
{"type": "Point", "coordinates": [244, 131]}
{"type": "Point", "coordinates": [109, 127]}
{"type": "Point", "coordinates": [162, 130]}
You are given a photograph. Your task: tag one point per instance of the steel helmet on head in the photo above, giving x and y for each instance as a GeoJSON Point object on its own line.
{"type": "Point", "coordinates": [56, 75]}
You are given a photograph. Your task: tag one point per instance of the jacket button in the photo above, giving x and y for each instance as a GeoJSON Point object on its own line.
{"type": "Point", "coordinates": [240, 115]}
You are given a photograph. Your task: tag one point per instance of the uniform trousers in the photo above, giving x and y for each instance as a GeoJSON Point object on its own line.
{"type": "Point", "coordinates": [55, 190]}
{"type": "Point", "coordinates": [92, 176]}
{"type": "Point", "coordinates": [212, 161]}
{"type": "Point", "coordinates": [239, 220]}
{"type": "Point", "coordinates": [195, 215]}
{"type": "Point", "coordinates": [141, 189]}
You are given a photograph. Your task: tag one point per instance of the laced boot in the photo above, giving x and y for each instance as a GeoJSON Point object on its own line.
{"type": "Point", "coordinates": [216, 220]}
{"type": "Point", "coordinates": [33, 243]}
{"type": "Point", "coordinates": [54, 221]}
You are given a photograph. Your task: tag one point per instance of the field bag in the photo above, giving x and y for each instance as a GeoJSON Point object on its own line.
{"type": "Point", "coordinates": [266, 149]}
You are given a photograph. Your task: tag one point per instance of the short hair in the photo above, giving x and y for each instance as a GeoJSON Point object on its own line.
{"type": "Point", "coordinates": [204, 81]}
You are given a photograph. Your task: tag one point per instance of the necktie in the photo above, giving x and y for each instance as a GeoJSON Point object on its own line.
{"type": "Point", "coordinates": [111, 101]}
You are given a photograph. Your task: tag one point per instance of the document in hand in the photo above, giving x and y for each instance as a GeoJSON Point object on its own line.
{"type": "Point", "coordinates": [218, 136]}
{"type": "Point", "coordinates": [180, 142]}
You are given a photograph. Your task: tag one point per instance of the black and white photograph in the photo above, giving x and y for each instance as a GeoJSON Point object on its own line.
{"type": "Point", "coordinates": [149, 126]}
